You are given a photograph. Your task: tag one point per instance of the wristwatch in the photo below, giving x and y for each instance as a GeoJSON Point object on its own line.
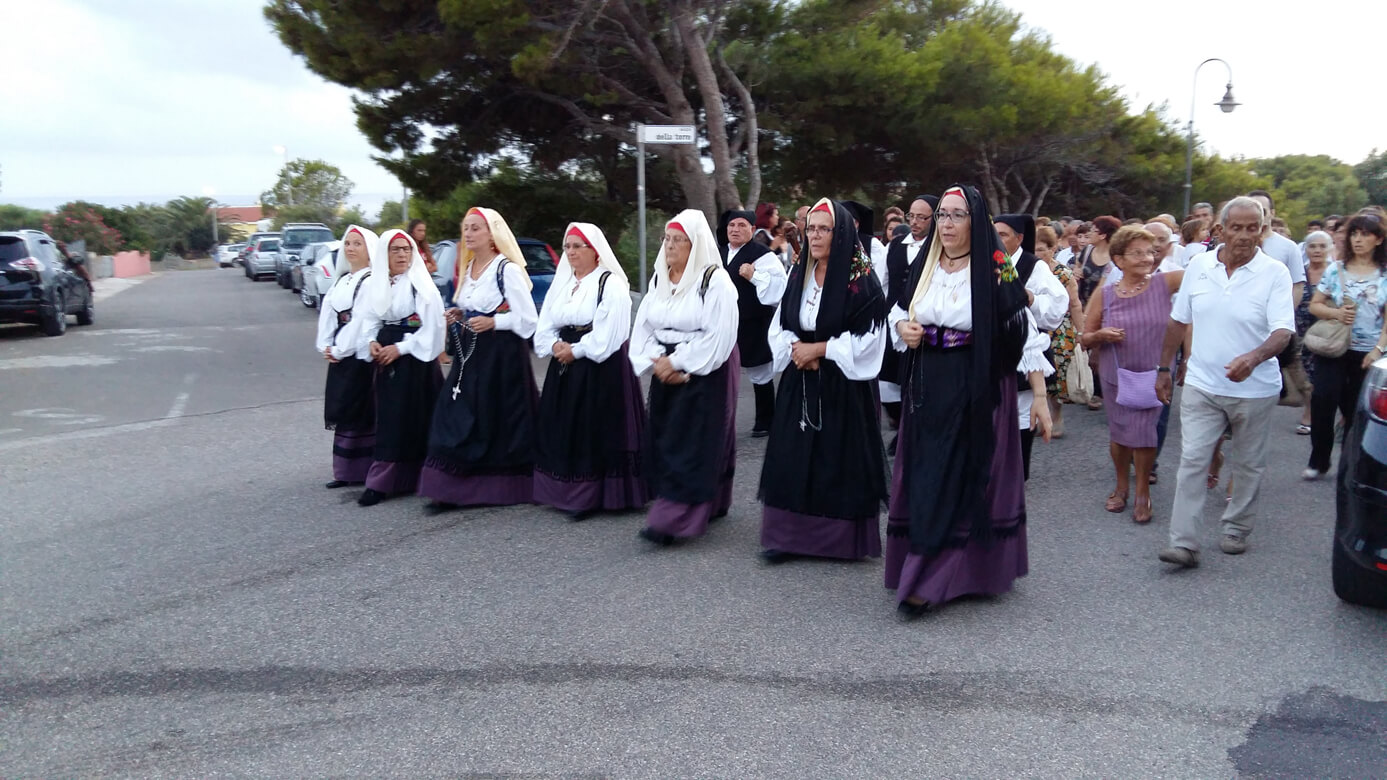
{"type": "Point", "coordinates": [1163, 369]}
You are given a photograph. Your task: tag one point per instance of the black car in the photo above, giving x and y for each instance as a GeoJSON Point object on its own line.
{"type": "Point", "coordinates": [1360, 527]}
{"type": "Point", "coordinates": [40, 285]}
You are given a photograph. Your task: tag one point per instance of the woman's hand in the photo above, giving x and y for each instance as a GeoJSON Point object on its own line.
{"type": "Point", "coordinates": [375, 350]}
{"type": "Point", "coordinates": [1109, 335]}
{"type": "Point", "coordinates": [388, 355]}
{"type": "Point", "coordinates": [327, 355]}
{"type": "Point", "coordinates": [806, 356]}
{"type": "Point", "coordinates": [1040, 417]}
{"type": "Point", "coordinates": [1368, 359]}
{"type": "Point", "coordinates": [563, 352]}
{"type": "Point", "coordinates": [481, 324]}
{"type": "Point", "coordinates": [663, 369]}
{"type": "Point", "coordinates": [453, 316]}
{"type": "Point", "coordinates": [911, 332]}
{"type": "Point", "coordinates": [1347, 314]}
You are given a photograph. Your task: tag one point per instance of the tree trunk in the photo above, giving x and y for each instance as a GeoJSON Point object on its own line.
{"type": "Point", "coordinates": [714, 110]}
{"type": "Point", "coordinates": [753, 150]}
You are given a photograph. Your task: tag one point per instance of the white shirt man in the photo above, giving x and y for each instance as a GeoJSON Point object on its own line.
{"type": "Point", "coordinates": [1238, 300]}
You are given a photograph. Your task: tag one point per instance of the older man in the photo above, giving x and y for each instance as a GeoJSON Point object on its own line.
{"type": "Point", "coordinates": [1239, 301]}
{"type": "Point", "coordinates": [1204, 212]}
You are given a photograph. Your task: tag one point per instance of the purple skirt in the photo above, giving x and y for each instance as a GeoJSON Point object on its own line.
{"type": "Point", "coordinates": [1127, 426]}
{"type": "Point", "coordinates": [393, 477]}
{"type": "Point", "coordinates": [352, 454]}
{"type": "Point", "coordinates": [475, 489]}
{"type": "Point", "coordinates": [975, 566]}
{"type": "Point", "coordinates": [822, 537]}
{"type": "Point", "coordinates": [686, 521]}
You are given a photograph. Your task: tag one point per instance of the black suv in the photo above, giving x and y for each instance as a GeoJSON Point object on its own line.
{"type": "Point", "coordinates": [1360, 528]}
{"type": "Point", "coordinates": [39, 285]}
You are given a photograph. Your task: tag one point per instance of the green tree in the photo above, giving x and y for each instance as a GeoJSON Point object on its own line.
{"type": "Point", "coordinates": [391, 215]}
{"type": "Point", "coordinates": [309, 183]}
{"type": "Point", "coordinates": [1372, 176]}
{"type": "Point", "coordinates": [14, 217]}
{"type": "Point", "coordinates": [1307, 186]}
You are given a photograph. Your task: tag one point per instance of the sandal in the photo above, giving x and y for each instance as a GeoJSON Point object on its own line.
{"type": "Point", "coordinates": [1095, 404]}
{"type": "Point", "coordinates": [1137, 513]}
{"type": "Point", "coordinates": [1302, 430]}
{"type": "Point", "coordinates": [1115, 502]}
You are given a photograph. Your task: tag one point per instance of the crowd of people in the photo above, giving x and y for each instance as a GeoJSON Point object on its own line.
{"type": "Point", "coordinates": [968, 332]}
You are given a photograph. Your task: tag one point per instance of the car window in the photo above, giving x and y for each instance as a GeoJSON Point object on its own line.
{"type": "Point", "coordinates": [301, 236]}
{"type": "Point", "coordinates": [537, 260]}
{"type": "Point", "coordinates": [12, 248]}
{"type": "Point", "coordinates": [270, 245]}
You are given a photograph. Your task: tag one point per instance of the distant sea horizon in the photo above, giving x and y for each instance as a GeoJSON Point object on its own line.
{"type": "Point", "coordinates": [369, 202]}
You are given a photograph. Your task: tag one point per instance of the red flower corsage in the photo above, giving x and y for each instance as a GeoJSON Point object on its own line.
{"type": "Point", "coordinates": [998, 257]}
{"type": "Point", "coordinates": [504, 307]}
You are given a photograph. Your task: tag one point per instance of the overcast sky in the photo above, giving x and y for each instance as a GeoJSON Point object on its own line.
{"type": "Point", "coordinates": [124, 100]}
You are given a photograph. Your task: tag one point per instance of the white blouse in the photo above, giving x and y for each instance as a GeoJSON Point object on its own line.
{"type": "Point", "coordinates": [767, 275]}
{"type": "Point", "coordinates": [947, 303]}
{"type": "Point", "coordinates": [610, 319]}
{"type": "Point", "coordinates": [858, 357]}
{"type": "Point", "coordinates": [704, 328]}
{"type": "Point", "coordinates": [483, 294]}
{"type": "Point", "coordinates": [424, 344]}
{"type": "Point", "coordinates": [346, 342]}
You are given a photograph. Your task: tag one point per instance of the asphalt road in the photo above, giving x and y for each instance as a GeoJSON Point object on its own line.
{"type": "Point", "coordinates": [180, 597]}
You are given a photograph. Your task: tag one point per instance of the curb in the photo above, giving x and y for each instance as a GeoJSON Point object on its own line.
{"type": "Point", "coordinates": [105, 288]}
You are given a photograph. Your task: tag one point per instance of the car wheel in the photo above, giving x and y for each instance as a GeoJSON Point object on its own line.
{"type": "Point", "coordinates": [54, 323]}
{"type": "Point", "coordinates": [307, 298]}
{"type": "Point", "coordinates": [1354, 584]}
{"type": "Point", "coordinates": [87, 315]}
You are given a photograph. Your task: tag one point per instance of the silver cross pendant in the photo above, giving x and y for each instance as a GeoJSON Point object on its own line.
{"type": "Point", "coordinates": [456, 389]}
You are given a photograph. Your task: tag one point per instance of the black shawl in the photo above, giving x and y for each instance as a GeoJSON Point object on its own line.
{"type": "Point", "coordinates": [852, 299]}
{"type": "Point", "coordinates": [999, 335]}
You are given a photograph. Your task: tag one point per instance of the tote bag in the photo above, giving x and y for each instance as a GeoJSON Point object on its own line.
{"type": "Point", "coordinates": [1079, 377]}
{"type": "Point", "coordinates": [1329, 338]}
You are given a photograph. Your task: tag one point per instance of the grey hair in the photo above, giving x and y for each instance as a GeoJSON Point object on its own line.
{"type": "Point", "coordinates": [1242, 202]}
{"type": "Point", "coordinates": [1202, 205]}
{"type": "Point", "coordinates": [1321, 236]}
{"type": "Point", "coordinates": [1163, 226]}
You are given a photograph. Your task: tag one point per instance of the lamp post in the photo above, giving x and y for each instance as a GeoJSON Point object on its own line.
{"type": "Point", "coordinates": [211, 193]}
{"type": "Point", "coordinates": [1227, 104]}
{"type": "Point", "coordinates": [288, 180]}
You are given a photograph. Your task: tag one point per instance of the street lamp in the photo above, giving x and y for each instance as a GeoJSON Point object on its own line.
{"type": "Point", "coordinates": [1226, 105]}
{"type": "Point", "coordinates": [288, 180]}
{"type": "Point", "coordinates": [211, 193]}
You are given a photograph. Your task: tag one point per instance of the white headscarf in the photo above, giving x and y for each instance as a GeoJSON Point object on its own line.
{"type": "Point", "coordinates": [371, 240]}
{"type": "Point", "coordinates": [593, 236]}
{"type": "Point", "coordinates": [703, 255]}
{"type": "Point", "coordinates": [501, 237]}
{"type": "Point", "coordinates": [377, 291]}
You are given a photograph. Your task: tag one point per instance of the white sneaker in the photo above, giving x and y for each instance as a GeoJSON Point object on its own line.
{"type": "Point", "coordinates": [1310, 475]}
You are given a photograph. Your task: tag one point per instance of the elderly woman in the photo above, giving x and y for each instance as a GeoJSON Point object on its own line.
{"type": "Point", "coordinates": [686, 334]}
{"type": "Point", "coordinates": [589, 455]}
{"type": "Point", "coordinates": [402, 330]}
{"type": "Point", "coordinates": [824, 475]}
{"type": "Point", "coordinates": [1125, 324]}
{"type": "Point", "coordinates": [481, 443]}
{"type": "Point", "coordinates": [1353, 292]}
{"type": "Point", "coordinates": [1319, 247]}
{"type": "Point", "coordinates": [348, 408]}
{"type": "Point", "coordinates": [957, 522]}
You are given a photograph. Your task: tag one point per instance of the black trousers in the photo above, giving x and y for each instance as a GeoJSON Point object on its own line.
{"type": "Point", "coordinates": [1337, 384]}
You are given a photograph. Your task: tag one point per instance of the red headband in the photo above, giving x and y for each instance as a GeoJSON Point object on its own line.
{"type": "Point", "coordinates": [476, 210]}
{"type": "Point", "coordinates": [821, 207]}
{"type": "Point", "coordinates": [358, 232]}
{"type": "Point", "coordinates": [574, 231]}
{"type": "Point", "coordinates": [678, 227]}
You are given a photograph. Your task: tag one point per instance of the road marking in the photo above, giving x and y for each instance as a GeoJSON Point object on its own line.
{"type": "Point", "coordinates": [181, 401]}
{"type": "Point", "coordinates": [4, 431]}
{"type": "Point", "coordinates": [60, 416]}
{"type": "Point", "coordinates": [57, 361]}
{"type": "Point", "coordinates": [170, 348]}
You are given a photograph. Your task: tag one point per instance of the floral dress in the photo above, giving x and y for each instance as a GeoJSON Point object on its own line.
{"type": "Point", "coordinates": [1062, 343]}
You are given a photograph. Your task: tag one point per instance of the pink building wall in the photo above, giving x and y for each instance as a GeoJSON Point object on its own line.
{"type": "Point", "coordinates": [127, 264]}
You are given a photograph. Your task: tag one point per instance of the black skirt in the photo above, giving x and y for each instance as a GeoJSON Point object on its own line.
{"type": "Point", "coordinates": [489, 427]}
{"type": "Point", "coordinates": [688, 427]}
{"type": "Point", "coordinates": [405, 393]}
{"type": "Point", "coordinates": [838, 470]}
{"type": "Point", "coordinates": [588, 431]}
{"type": "Point", "coordinates": [348, 401]}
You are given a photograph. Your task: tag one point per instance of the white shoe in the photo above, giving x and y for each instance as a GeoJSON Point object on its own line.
{"type": "Point", "coordinates": [1310, 475]}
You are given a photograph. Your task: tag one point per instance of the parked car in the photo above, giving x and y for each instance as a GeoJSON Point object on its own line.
{"type": "Point", "coordinates": [39, 285]}
{"type": "Point", "coordinates": [540, 262]}
{"type": "Point", "coordinates": [1360, 528]}
{"type": "Point", "coordinates": [296, 236]}
{"type": "Point", "coordinates": [250, 245]}
{"type": "Point", "coordinates": [260, 261]}
{"type": "Point", "coordinates": [317, 272]}
{"type": "Point", "coordinates": [228, 253]}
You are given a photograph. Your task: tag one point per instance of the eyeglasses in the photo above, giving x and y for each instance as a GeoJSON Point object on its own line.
{"type": "Point", "coordinates": [956, 217]}
{"type": "Point", "coordinates": [819, 229]}
{"type": "Point", "coordinates": [574, 247]}
{"type": "Point", "coordinates": [1138, 254]}
{"type": "Point", "coordinates": [922, 217]}
{"type": "Point", "coordinates": [404, 249]}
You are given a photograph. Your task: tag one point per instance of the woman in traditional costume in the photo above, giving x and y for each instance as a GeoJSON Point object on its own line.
{"type": "Point", "coordinates": [686, 334]}
{"type": "Point", "coordinates": [824, 476]}
{"type": "Point", "coordinates": [348, 404]}
{"type": "Point", "coordinates": [402, 329]}
{"type": "Point", "coordinates": [957, 521]}
{"type": "Point", "coordinates": [482, 442]}
{"type": "Point", "coordinates": [589, 455]}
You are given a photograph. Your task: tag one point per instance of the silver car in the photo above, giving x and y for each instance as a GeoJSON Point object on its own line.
{"type": "Point", "coordinates": [260, 260]}
{"type": "Point", "coordinates": [317, 272]}
{"type": "Point", "coordinates": [227, 254]}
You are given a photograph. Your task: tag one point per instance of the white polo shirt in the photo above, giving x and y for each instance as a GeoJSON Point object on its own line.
{"type": "Point", "coordinates": [1231, 317]}
{"type": "Point", "coordinates": [1283, 249]}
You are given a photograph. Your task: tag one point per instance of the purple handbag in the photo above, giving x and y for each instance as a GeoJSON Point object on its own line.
{"type": "Point", "coordinates": [1136, 389]}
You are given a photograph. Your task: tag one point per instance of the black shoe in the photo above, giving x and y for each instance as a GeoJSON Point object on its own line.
{"type": "Point", "coordinates": [776, 557]}
{"type": "Point", "coordinates": [337, 483]}
{"type": "Point", "coordinates": [370, 497]}
{"type": "Point", "coordinates": [581, 515]}
{"type": "Point", "coordinates": [910, 611]}
{"type": "Point", "coordinates": [758, 433]}
{"type": "Point", "coordinates": [651, 535]}
{"type": "Point", "coordinates": [438, 507]}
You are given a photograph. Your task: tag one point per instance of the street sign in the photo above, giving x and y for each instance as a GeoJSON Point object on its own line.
{"type": "Point", "coordinates": [668, 134]}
